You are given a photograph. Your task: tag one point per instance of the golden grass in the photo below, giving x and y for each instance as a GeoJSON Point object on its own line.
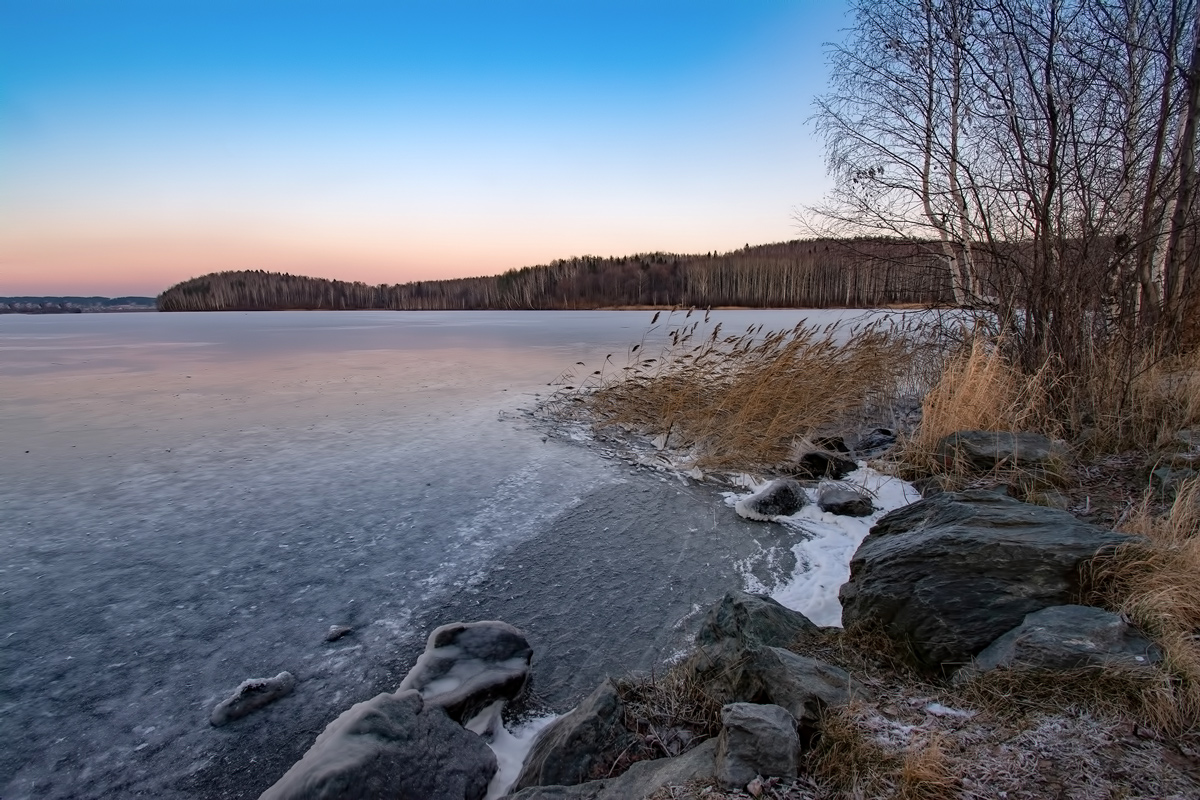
{"type": "Point", "coordinates": [748, 400]}
{"type": "Point", "coordinates": [979, 389]}
{"type": "Point", "coordinates": [673, 699]}
{"type": "Point", "coordinates": [1146, 696]}
{"type": "Point", "coordinates": [847, 758]}
{"type": "Point", "coordinates": [925, 773]}
{"type": "Point", "coordinates": [1154, 580]}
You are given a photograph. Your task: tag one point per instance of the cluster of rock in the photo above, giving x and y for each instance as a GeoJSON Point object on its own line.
{"type": "Point", "coordinates": [428, 739]}
{"type": "Point", "coordinates": [975, 580]}
{"type": "Point", "coordinates": [783, 497]}
{"type": "Point", "coordinates": [963, 582]}
{"type": "Point", "coordinates": [771, 700]}
{"type": "Point", "coordinates": [979, 575]}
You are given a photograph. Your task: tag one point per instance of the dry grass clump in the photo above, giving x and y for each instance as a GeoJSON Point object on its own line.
{"type": "Point", "coordinates": [1155, 581]}
{"type": "Point", "coordinates": [1147, 696]}
{"type": "Point", "coordinates": [926, 774]}
{"type": "Point", "coordinates": [671, 711]}
{"type": "Point", "coordinates": [863, 650]}
{"type": "Point", "coordinates": [979, 389]}
{"type": "Point", "coordinates": [1129, 399]}
{"type": "Point", "coordinates": [745, 401]}
{"type": "Point", "coordinates": [849, 759]}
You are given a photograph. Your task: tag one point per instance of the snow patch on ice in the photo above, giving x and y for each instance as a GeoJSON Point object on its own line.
{"type": "Point", "coordinates": [823, 556]}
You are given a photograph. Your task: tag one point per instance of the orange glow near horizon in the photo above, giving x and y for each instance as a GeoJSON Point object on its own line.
{"type": "Point", "coordinates": [144, 145]}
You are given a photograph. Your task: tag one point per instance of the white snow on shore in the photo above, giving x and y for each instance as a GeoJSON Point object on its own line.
{"type": "Point", "coordinates": [829, 541]}
{"type": "Point", "coordinates": [511, 748]}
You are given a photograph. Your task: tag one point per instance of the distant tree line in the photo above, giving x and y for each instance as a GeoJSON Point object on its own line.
{"type": "Point", "coordinates": [820, 273]}
{"type": "Point", "coordinates": [73, 305]}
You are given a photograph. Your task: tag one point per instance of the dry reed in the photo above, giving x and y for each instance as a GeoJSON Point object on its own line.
{"type": "Point", "coordinates": [1153, 581]}
{"type": "Point", "coordinates": [746, 401]}
{"type": "Point", "coordinates": [979, 389]}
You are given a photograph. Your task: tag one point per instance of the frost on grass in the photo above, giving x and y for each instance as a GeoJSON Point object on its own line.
{"type": "Point", "coordinates": [826, 543]}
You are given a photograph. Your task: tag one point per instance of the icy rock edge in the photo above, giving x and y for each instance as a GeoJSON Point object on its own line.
{"type": "Point", "coordinates": [440, 735]}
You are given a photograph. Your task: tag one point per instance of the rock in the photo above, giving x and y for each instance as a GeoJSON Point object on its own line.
{"type": "Point", "coordinates": [566, 752]}
{"type": "Point", "coordinates": [252, 695]}
{"type": "Point", "coordinates": [817, 464]}
{"type": "Point", "coordinates": [845, 501]}
{"type": "Point", "coordinates": [1188, 440]}
{"type": "Point", "coordinates": [755, 740]}
{"type": "Point", "coordinates": [753, 619]}
{"type": "Point", "coordinates": [1050, 499]}
{"type": "Point", "coordinates": [1166, 480]}
{"type": "Point", "coordinates": [833, 443]}
{"type": "Point", "coordinates": [804, 686]}
{"type": "Point", "coordinates": [337, 631]}
{"type": "Point", "coordinates": [467, 666]}
{"type": "Point", "coordinates": [875, 442]}
{"type": "Point", "coordinates": [781, 497]}
{"type": "Point", "coordinates": [394, 746]}
{"type": "Point", "coordinates": [1065, 638]}
{"type": "Point", "coordinates": [986, 450]}
{"type": "Point", "coordinates": [641, 780]}
{"type": "Point", "coordinates": [733, 673]}
{"type": "Point", "coordinates": [947, 576]}
{"type": "Point", "coordinates": [1178, 462]}
{"type": "Point", "coordinates": [931, 485]}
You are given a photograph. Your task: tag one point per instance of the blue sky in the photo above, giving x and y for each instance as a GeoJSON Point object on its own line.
{"type": "Point", "coordinates": [146, 141]}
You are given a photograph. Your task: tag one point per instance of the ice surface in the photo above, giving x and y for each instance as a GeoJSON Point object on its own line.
{"type": "Point", "coordinates": [204, 495]}
{"type": "Point", "coordinates": [827, 543]}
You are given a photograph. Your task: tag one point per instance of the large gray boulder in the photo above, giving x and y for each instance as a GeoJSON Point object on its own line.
{"type": "Point", "coordinates": [467, 666]}
{"type": "Point", "coordinates": [1066, 638]}
{"type": "Point", "coordinates": [753, 619]}
{"type": "Point", "coordinates": [641, 780]}
{"type": "Point", "coordinates": [781, 497]}
{"type": "Point", "coordinates": [394, 746]}
{"type": "Point", "coordinates": [755, 740]}
{"type": "Point", "coordinates": [568, 750]}
{"type": "Point", "coordinates": [733, 673]}
{"type": "Point", "coordinates": [947, 576]}
{"type": "Point", "coordinates": [987, 450]}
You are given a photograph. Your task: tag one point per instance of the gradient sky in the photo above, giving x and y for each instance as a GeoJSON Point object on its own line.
{"type": "Point", "coordinates": [143, 142]}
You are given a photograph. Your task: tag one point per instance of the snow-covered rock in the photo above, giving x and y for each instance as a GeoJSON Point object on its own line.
{"type": "Point", "coordinates": [845, 501]}
{"type": "Point", "coordinates": [252, 695]}
{"type": "Point", "coordinates": [393, 745]}
{"type": "Point", "coordinates": [779, 498]}
{"type": "Point", "coordinates": [468, 666]}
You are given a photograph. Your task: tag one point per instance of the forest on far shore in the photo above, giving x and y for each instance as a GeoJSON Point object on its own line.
{"type": "Point", "coordinates": [814, 273]}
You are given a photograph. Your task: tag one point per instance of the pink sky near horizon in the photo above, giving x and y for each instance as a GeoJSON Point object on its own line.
{"type": "Point", "coordinates": [142, 144]}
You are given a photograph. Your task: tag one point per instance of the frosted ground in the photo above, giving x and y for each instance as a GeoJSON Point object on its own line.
{"type": "Point", "coordinates": [187, 501]}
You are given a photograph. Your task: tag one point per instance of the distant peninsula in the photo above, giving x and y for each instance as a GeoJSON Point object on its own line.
{"type": "Point", "coordinates": [74, 305]}
{"type": "Point", "coordinates": [812, 273]}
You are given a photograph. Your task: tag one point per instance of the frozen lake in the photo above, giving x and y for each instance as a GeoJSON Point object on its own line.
{"type": "Point", "coordinates": [189, 500]}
